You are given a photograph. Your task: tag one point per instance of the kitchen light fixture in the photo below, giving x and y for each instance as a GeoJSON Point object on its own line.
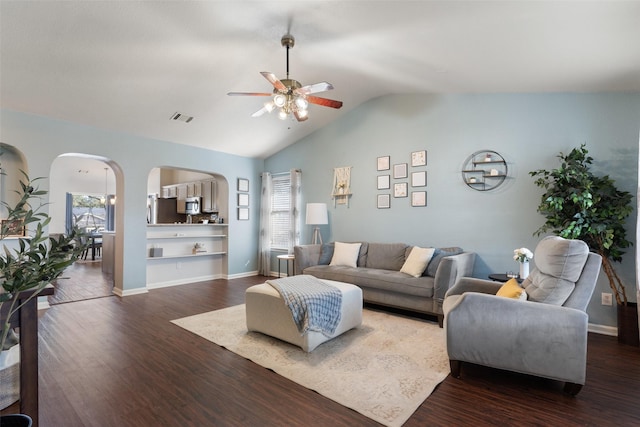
{"type": "Point", "coordinates": [317, 215]}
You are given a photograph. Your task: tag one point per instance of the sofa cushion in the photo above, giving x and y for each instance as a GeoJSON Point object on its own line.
{"type": "Point", "coordinates": [373, 278]}
{"type": "Point", "coordinates": [386, 256]}
{"type": "Point", "coordinates": [437, 258]}
{"type": "Point", "coordinates": [511, 289]}
{"type": "Point", "coordinates": [559, 263]}
{"type": "Point", "coordinates": [417, 261]}
{"type": "Point", "coordinates": [345, 254]}
{"type": "Point", "coordinates": [326, 253]}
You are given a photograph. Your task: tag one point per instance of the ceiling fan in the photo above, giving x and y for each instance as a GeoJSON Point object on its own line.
{"type": "Point", "coordinates": [289, 95]}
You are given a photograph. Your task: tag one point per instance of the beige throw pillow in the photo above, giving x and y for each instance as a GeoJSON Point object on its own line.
{"type": "Point", "coordinates": [417, 261]}
{"type": "Point", "coordinates": [346, 254]}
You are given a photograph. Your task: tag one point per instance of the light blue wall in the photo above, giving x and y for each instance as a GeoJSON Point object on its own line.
{"type": "Point", "coordinates": [42, 139]}
{"type": "Point", "coordinates": [528, 130]}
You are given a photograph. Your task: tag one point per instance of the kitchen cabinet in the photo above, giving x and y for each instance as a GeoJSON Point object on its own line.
{"type": "Point", "coordinates": [182, 191]}
{"type": "Point", "coordinates": [209, 203]}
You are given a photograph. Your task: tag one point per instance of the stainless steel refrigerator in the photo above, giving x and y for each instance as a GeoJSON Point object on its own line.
{"type": "Point", "coordinates": [162, 211]}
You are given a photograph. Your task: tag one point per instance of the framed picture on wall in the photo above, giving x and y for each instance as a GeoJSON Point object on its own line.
{"type": "Point", "coordinates": [400, 171]}
{"type": "Point", "coordinates": [384, 163]}
{"type": "Point", "coordinates": [243, 184]}
{"type": "Point", "coordinates": [419, 158]}
{"type": "Point", "coordinates": [384, 201]}
{"type": "Point", "coordinates": [400, 189]}
{"type": "Point", "coordinates": [12, 228]}
{"type": "Point", "coordinates": [243, 199]}
{"type": "Point", "coordinates": [419, 179]}
{"type": "Point", "coordinates": [384, 182]}
{"type": "Point", "coordinates": [418, 198]}
{"type": "Point", "coordinates": [243, 214]}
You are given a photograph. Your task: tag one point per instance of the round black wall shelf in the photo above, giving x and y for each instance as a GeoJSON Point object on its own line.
{"type": "Point", "coordinates": [484, 170]}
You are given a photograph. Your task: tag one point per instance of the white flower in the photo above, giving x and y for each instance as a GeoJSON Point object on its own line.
{"type": "Point", "coordinates": [522, 254]}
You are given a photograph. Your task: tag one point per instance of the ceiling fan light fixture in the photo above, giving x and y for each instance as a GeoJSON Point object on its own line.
{"type": "Point", "coordinates": [280, 100]}
{"type": "Point", "coordinates": [303, 114]}
{"type": "Point", "coordinates": [282, 115]}
{"type": "Point", "coordinates": [301, 103]}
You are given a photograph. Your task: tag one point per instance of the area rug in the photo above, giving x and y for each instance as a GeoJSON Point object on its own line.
{"type": "Point", "coordinates": [384, 369]}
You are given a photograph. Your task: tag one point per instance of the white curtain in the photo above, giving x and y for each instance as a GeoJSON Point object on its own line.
{"type": "Point", "coordinates": [296, 208]}
{"type": "Point", "coordinates": [264, 244]}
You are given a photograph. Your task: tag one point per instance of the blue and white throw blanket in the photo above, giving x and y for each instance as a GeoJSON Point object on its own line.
{"type": "Point", "coordinates": [315, 305]}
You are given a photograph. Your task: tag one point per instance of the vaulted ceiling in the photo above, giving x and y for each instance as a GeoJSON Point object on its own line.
{"type": "Point", "coordinates": [130, 65]}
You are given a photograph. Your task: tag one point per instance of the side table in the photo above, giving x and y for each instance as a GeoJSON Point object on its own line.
{"type": "Point", "coordinates": [497, 277]}
{"type": "Point", "coordinates": [286, 258]}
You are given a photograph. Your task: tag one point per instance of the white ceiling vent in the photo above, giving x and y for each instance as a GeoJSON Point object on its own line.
{"type": "Point", "coordinates": [181, 117]}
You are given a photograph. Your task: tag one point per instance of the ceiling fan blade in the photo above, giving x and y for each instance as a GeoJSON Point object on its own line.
{"type": "Point", "coordinates": [260, 112]}
{"type": "Point", "coordinates": [314, 88]}
{"type": "Point", "coordinates": [325, 102]}
{"type": "Point", "coordinates": [274, 81]}
{"type": "Point", "coordinates": [249, 94]}
{"type": "Point", "coordinates": [299, 117]}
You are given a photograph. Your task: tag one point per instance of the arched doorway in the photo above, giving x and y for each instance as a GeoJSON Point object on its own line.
{"type": "Point", "coordinates": [82, 189]}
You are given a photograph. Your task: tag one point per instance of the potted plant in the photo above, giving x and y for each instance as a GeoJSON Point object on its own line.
{"type": "Point", "coordinates": [580, 205]}
{"type": "Point", "coordinates": [33, 260]}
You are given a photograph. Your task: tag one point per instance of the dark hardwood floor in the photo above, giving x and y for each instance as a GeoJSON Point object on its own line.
{"type": "Point", "coordinates": [120, 362]}
{"type": "Point", "coordinates": [82, 281]}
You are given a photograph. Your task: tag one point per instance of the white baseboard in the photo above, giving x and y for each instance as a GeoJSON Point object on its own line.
{"type": "Point", "coordinates": [603, 329]}
{"type": "Point", "coordinates": [136, 291]}
{"type": "Point", "coordinates": [178, 282]}
{"type": "Point", "coordinates": [241, 275]}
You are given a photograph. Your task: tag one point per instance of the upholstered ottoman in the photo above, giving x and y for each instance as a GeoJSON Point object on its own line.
{"type": "Point", "coordinates": [267, 313]}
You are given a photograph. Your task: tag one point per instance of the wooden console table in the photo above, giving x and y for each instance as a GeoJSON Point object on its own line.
{"type": "Point", "coordinates": [27, 319]}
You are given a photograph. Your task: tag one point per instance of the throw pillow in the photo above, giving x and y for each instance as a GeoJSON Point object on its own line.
{"type": "Point", "coordinates": [326, 253]}
{"type": "Point", "coordinates": [417, 261]}
{"type": "Point", "coordinates": [511, 289]}
{"type": "Point", "coordinates": [437, 257]}
{"type": "Point", "coordinates": [345, 254]}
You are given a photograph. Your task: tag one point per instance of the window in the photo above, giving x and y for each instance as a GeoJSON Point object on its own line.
{"type": "Point", "coordinates": [281, 212]}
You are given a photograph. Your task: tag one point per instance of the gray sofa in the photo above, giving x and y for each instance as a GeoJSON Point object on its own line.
{"type": "Point", "coordinates": [378, 274]}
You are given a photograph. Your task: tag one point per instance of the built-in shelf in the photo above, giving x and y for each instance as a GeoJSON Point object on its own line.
{"type": "Point", "coordinates": [186, 255]}
{"type": "Point", "coordinates": [187, 236]}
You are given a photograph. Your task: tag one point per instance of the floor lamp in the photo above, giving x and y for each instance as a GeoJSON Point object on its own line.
{"type": "Point", "coordinates": [317, 215]}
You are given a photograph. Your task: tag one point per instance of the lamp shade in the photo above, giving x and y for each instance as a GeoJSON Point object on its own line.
{"type": "Point", "coordinates": [317, 214]}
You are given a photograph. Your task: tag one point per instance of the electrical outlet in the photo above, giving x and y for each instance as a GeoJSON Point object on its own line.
{"type": "Point", "coordinates": [607, 299]}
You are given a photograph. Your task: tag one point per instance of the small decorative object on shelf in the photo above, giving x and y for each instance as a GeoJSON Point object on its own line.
{"type": "Point", "coordinates": [476, 175]}
{"type": "Point", "coordinates": [198, 248]}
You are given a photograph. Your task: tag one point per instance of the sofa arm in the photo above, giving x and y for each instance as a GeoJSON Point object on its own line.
{"type": "Point", "coordinates": [450, 270]}
{"type": "Point", "coordinates": [306, 256]}
{"type": "Point", "coordinates": [521, 336]}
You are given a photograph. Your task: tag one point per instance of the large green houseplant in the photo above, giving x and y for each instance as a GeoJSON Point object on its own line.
{"type": "Point", "coordinates": [35, 259]}
{"type": "Point", "coordinates": [580, 205]}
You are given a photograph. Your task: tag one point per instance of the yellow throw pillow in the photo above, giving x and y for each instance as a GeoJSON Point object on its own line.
{"type": "Point", "coordinates": [511, 289]}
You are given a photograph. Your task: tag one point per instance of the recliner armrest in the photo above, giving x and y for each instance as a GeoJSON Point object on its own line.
{"type": "Point", "coordinates": [471, 284]}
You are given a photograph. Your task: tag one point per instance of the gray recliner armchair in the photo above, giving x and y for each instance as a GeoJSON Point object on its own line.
{"type": "Point", "coordinates": [545, 335]}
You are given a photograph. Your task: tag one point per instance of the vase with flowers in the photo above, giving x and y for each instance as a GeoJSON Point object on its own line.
{"type": "Point", "coordinates": [523, 256]}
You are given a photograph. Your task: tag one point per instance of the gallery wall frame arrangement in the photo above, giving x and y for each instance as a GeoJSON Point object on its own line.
{"type": "Point", "coordinates": [417, 178]}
